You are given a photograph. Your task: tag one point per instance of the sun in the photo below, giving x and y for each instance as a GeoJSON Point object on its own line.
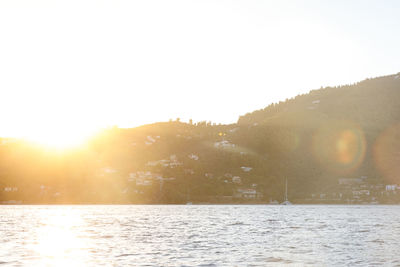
{"type": "Point", "coordinates": [53, 126]}
{"type": "Point", "coordinates": [59, 138]}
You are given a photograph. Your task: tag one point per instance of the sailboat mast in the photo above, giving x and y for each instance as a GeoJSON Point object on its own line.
{"type": "Point", "coordinates": [286, 198]}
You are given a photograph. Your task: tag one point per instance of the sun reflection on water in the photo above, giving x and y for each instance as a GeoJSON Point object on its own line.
{"type": "Point", "coordinates": [58, 239]}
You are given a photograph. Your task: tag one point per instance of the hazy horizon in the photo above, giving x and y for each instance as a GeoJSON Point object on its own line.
{"type": "Point", "coordinates": [72, 68]}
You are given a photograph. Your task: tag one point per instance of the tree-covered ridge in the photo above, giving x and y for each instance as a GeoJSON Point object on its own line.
{"type": "Point", "coordinates": [313, 141]}
{"type": "Point", "coordinates": [371, 103]}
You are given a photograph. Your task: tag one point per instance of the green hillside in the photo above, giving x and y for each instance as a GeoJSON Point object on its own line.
{"type": "Point", "coordinates": [312, 140]}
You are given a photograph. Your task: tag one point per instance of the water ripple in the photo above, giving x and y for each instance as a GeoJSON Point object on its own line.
{"type": "Point", "coordinates": [199, 235]}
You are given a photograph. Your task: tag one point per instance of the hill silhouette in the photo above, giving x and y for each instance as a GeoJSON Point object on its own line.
{"type": "Point", "coordinates": [313, 140]}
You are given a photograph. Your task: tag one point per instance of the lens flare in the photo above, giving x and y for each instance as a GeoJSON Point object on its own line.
{"type": "Point", "coordinates": [387, 154]}
{"type": "Point", "coordinates": [346, 147]}
{"type": "Point", "coordinates": [339, 146]}
{"type": "Point", "coordinates": [295, 141]}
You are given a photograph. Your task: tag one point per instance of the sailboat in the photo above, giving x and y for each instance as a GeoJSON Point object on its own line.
{"type": "Point", "coordinates": [188, 202]}
{"type": "Point", "coordinates": [286, 201]}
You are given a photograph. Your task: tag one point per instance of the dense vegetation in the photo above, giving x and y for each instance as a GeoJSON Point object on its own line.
{"type": "Point", "coordinates": [312, 140]}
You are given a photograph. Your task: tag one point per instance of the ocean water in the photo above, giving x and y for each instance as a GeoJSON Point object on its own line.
{"type": "Point", "coordinates": [199, 235]}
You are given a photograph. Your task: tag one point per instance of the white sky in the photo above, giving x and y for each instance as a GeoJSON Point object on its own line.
{"type": "Point", "coordinates": [76, 65]}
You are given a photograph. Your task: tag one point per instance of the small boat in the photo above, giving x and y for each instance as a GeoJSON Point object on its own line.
{"type": "Point", "coordinates": [286, 201]}
{"type": "Point", "coordinates": [188, 202]}
{"type": "Point", "coordinates": [273, 202]}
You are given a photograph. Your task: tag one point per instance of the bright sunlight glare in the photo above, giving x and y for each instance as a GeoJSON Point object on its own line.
{"type": "Point", "coordinates": [59, 138]}
{"type": "Point", "coordinates": [106, 62]}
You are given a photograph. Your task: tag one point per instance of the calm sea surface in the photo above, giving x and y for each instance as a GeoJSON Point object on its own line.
{"type": "Point", "coordinates": [199, 235]}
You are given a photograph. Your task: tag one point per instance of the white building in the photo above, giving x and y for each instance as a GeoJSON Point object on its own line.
{"type": "Point", "coordinates": [246, 169]}
{"type": "Point", "coordinates": [361, 193]}
{"type": "Point", "coordinates": [223, 144]}
{"type": "Point", "coordinates": [236, 180]}
{"type": "Point", "coordinates": [10, 189]}
{"type": "Point", "coordinates": [109, 170]}
{"type": "Point", "coordinates": [350, 181]}
{"type": "Point", "coordinates": [193, 156]}
{"type": "Point", "coordinates": [150, 139]}
{"type": "Point", "coordinates": [248, 193]}
{"type": "Point", "coordinates": [391, 187]}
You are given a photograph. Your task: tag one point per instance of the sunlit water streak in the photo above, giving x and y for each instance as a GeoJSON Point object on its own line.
{"type": "Point", "coordinates": [199, 235]}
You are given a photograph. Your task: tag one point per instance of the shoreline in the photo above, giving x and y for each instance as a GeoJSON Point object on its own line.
{"type": "Point", "coordinates": [197, 204]}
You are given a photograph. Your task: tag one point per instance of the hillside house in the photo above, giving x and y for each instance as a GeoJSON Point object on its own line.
{"type": "Point", "coordinates": [172, 162]}
{"type": "Point", "coordinates": [109, 170]}
{"type": "Point", "coordinates": [248, 193]}
{"type": "Point", "coordinates": [193, 157]}
{"type": "Point", "coordinates": [151, 139]}
{"type": "Point", "coordinates": [10, 189]}
{"type": "Point", "coordinates": [391, 187]}
{"type": "Point", "coordinates": [209, 175]}
{"type": "Point", "coordinates": [223, 144]}
{"type": "Point", "coordinates": [153, 163]}
{"type": "Point", "coordinates": [188, 171]}
{"type": "Point", "coordinates": [236, 180]}
{"type": "Point", "coordinates": [361, 193]}
{"type": "Point", "coordinates": [246, 169]}
{"type": "Point", "coordinates": [143, 182]}
{"type": "Point", "coordinates": [350, 181]}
